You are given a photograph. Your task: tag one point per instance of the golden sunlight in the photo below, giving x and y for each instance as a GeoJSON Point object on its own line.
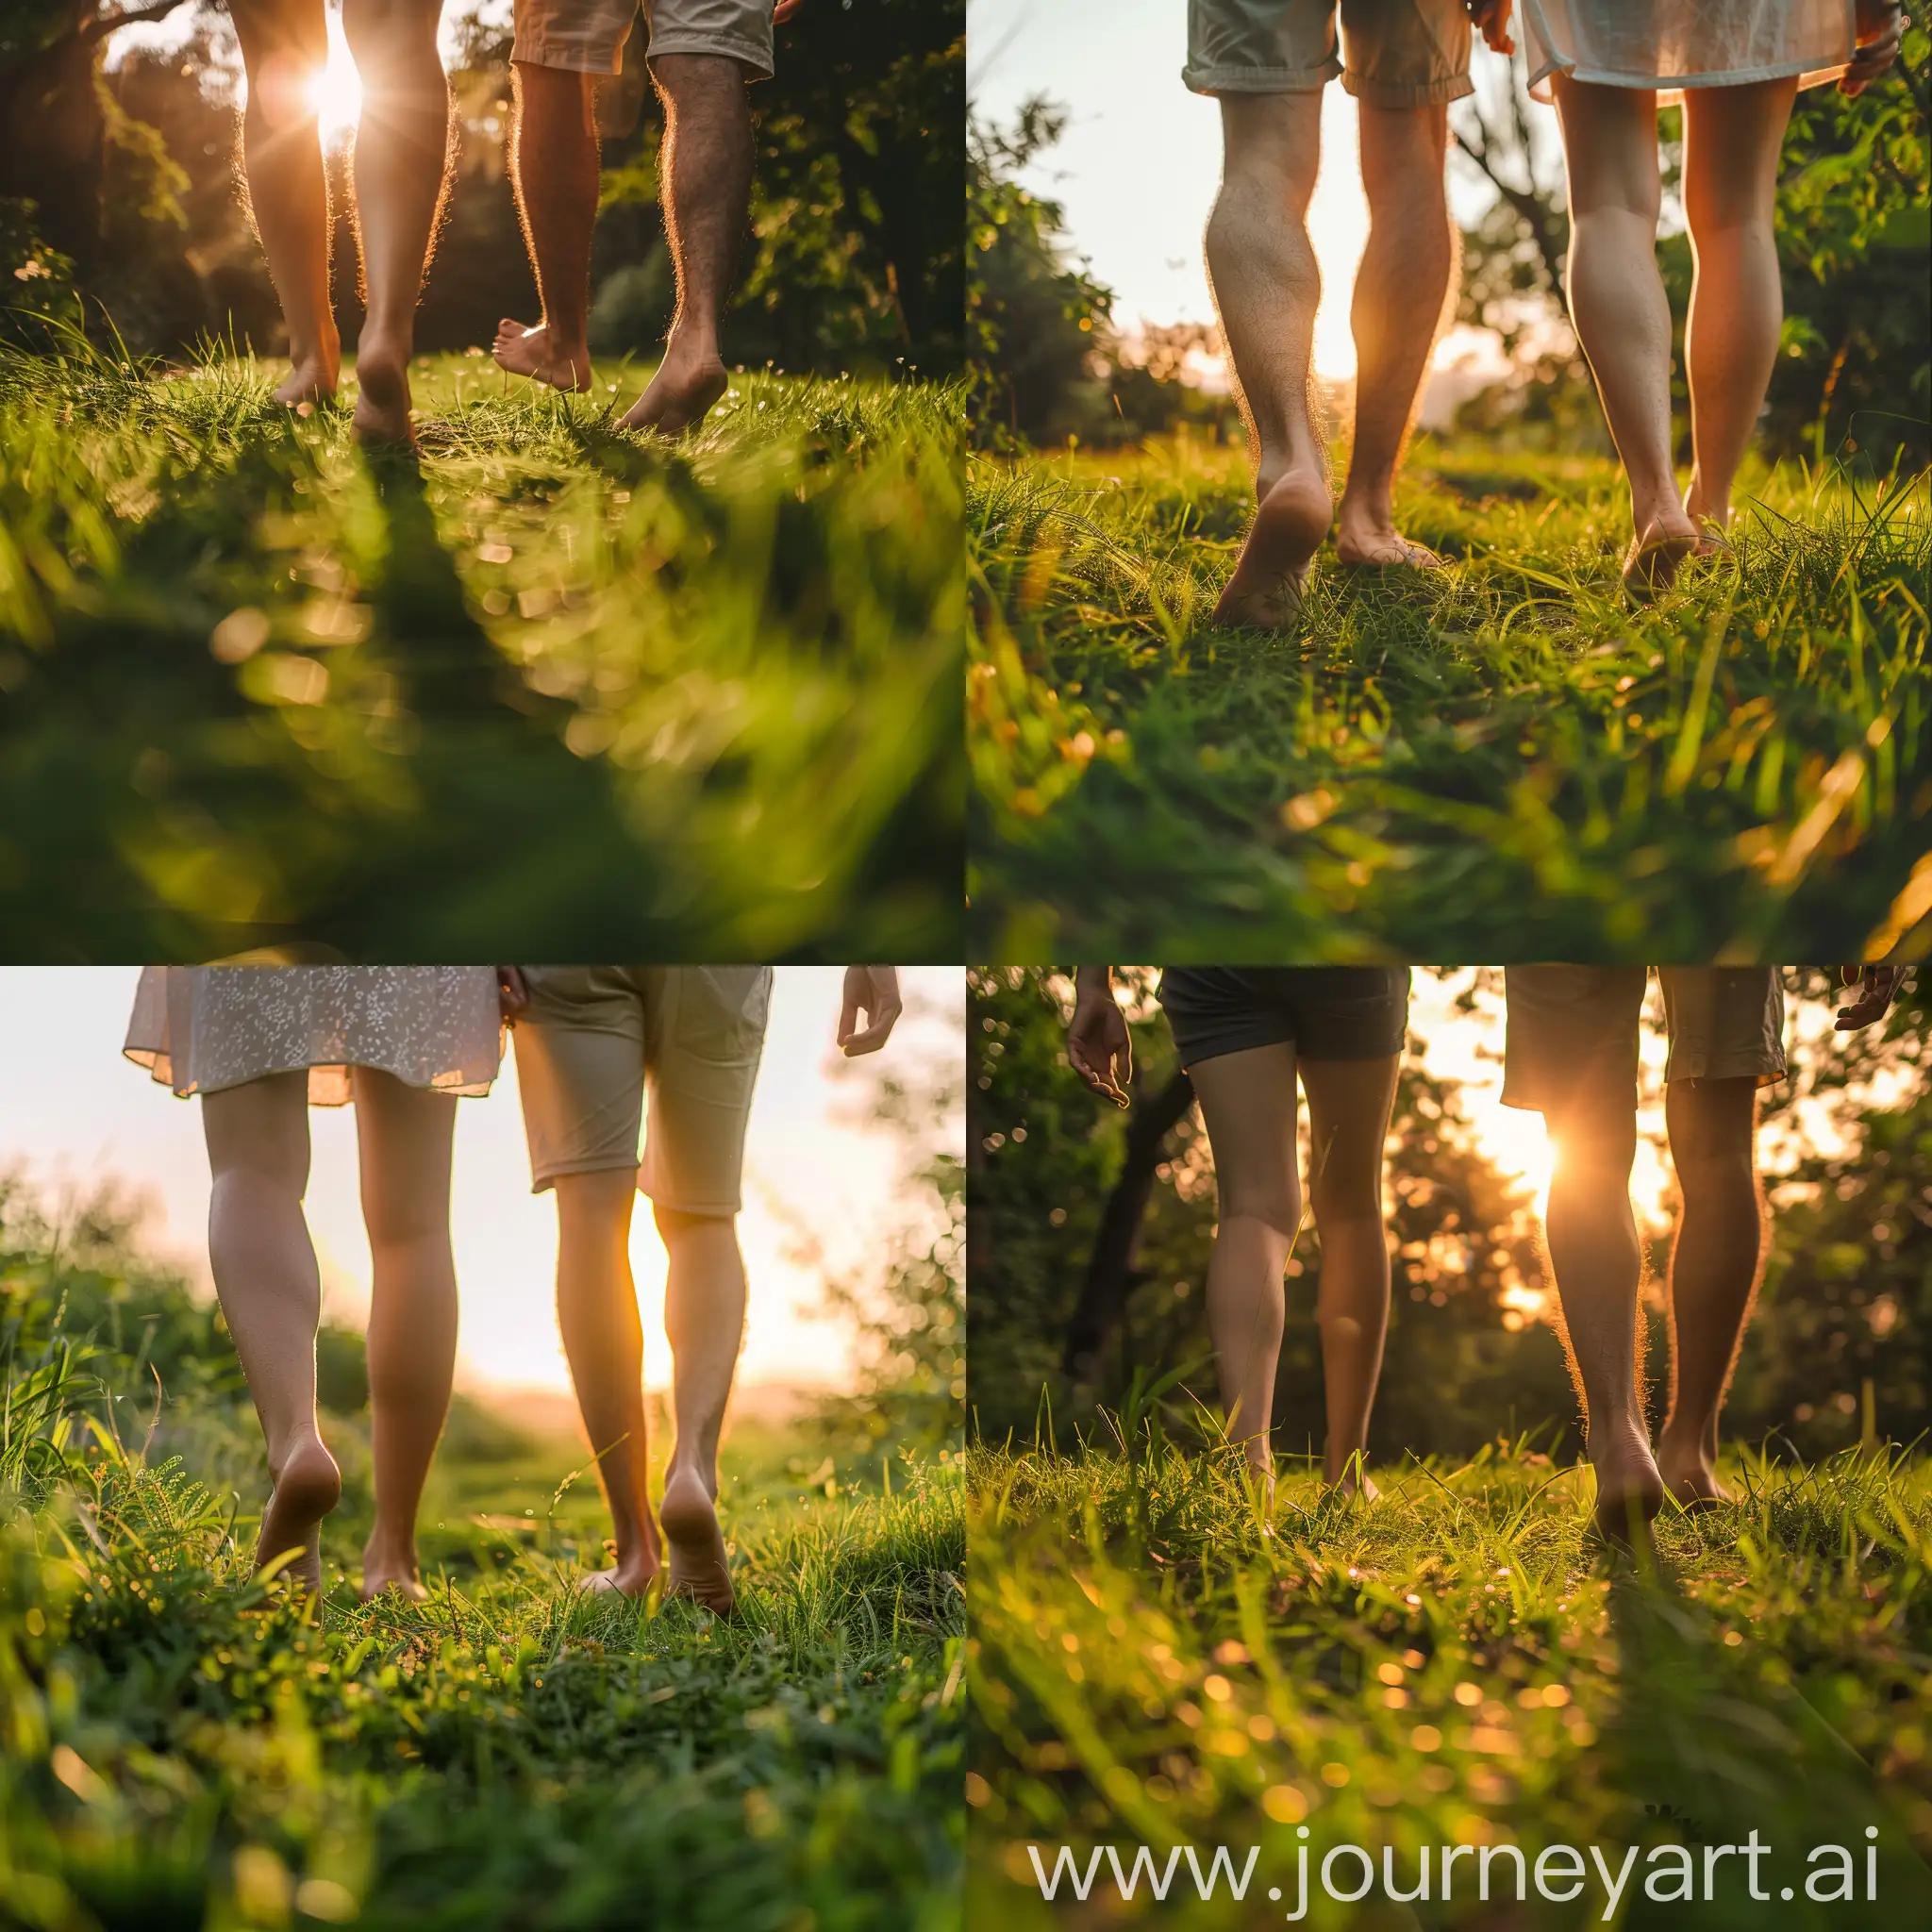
{"type": "Point", "coordinates": [336, 92]}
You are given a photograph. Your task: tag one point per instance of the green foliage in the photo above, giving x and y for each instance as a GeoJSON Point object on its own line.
{"type": "Point", "coordinates": [651, 701]}
{"type": "Point", "coordinates": [1457, 1664]}
{"type": "Point", "coordinates": [185, 1749]}
{"type": "Point", "coordinates": [1501, 760]}
{"type": "Point", "coordinates": [1033, 321]}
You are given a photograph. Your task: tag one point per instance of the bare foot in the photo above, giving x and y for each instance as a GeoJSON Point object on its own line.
{"type": "Point", "coordinates": [1629, 1491]}
{"type": "Point", "coordinates": [307, 1486]}
{"type": "Point", "coordinates": [312, 380]}
{"type": "Point", "coordinates": [695, 1545]}
{"type": "Point", "coordinates": [1272, 568]}
{"type": "Point", "coordinates": [391, 1569]}
{"type": "Point", "coordinates": [1372, 546]}
{"type": "Point", "coordinates": [627, 1579]}
{"type": "Point", "coordinates": [1357, 1485]}
{"type": "Point", "coordinates": [382, 400]}
{"type": "Point", "coordinates": [1690, 1477]}
{"type": "Point", "coordinates": [1654, 556]}
{"type": "Point", "coordinates": [532, 352]}
{"type": "Point", "coordinates": [676, 398]}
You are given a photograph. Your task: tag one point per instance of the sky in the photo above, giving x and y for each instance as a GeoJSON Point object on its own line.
{"type": "Point", "coordinates": [1138, 166]}
{"type": "Point", "coordinates": [73, 1110]}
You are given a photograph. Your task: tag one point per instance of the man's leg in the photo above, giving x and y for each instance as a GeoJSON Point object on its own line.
{"type": "Point", "coordinates": [1349, 1103]}
{"type": "Point", "coordinates": [403, 1138]}
{"type": "Point", "coordinates": [1622, 314]}
{"type": "Point", "coordinates": [1598, 1265]}
{"type": "Point", "coordinates": [704, 167]}
{"type": "Point", "coordinates": [1266, 287]}
{"type": "Point", "coordinates": [704, 1317]}
{"type": "Point", "coordinates": [271, 1295]}
{"type": "Point", "coordinates": [1714, 1269]}
{"type": "Point", "coordinates": [284, 46]}
{"type": "Point", "coordinates": [597, 1309]}
{"type": "Point", "coordinates": [1397, 309]}
{"type": "Point", "coordinates": [1248, 1107]}
{"type": "Point", "coordinates": [554, 167]}
{"type": "Point", "coordinates": [402, 149]}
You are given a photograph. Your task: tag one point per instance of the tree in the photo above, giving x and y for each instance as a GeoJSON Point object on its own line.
{"type": "Point", "coordinates": [1033, 318]}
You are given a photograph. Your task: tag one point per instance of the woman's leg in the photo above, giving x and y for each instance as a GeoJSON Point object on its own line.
{"type": "Point", "coordinates": [1248, 1105]}
{"type": "Point", "coordinates": [1618, 302]}
{"type": "Point", "coordinates": [402, 147]}
{"type": "Point", "coordinates": [1731, 141]}
{"type": "Point", "coordinates": [1349, 1103]}
{"type": "Point", "coordinates": [402, 1140]}
{"type": "Point", "coordinates": [284, 47]}
{"type": "Point", "coordinates": [271, 1295]}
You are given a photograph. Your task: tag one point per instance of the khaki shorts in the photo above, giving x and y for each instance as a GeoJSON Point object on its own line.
{"type": "Point", "coordinates": [588, 36]}
{"type": "Point", "coordinates": [595, 1038]}
{"type": "Point", "coordinates": [1573, 1031]}
{"type": "Point", "coordinates": [1399, 52]}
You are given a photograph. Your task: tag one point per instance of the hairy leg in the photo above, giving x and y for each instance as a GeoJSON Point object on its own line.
{"type": "Point", "coordinates": [402, 1136]}
{"type": "Point", "coordinates": [704, 1317]}
{"type": "Point", "coordinates": [1397, 309]}
{"type": "Point", "coordinates": [1714, 1269]}
{"type": "Point", "coordinates": [271, 1296]}
{"type": "Point", "coordinates": [1248, 1107]}
{"type": "Point", "coordinates": [1732, 136]}
{"type": "Point", "coordinates": [1349, 1103]}
{"type": "Point", "coordinates": [1622, 314]}
{"type": "Point", "coordinates": [705, 170]}
{"type": "Point", "coordinates": [554, 166]}
{"type": "Point", "coordinates": [603, 1338]}
{"type": "Point", "coordinates": [1598, 1265]}
{"type": "Point", "coordinates": [402, 157]}
{"type": "Point", "coordinates": [1266, 287]}
{"type": "Point", "coordinates": [284, 46]}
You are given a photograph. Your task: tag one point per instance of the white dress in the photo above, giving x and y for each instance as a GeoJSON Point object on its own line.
{"type": "Point", "coordinates": [201, 1029]}
{"type": "Point", "coordinates": [1673, 44]}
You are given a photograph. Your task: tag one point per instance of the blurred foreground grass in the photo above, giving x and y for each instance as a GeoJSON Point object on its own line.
{"type": "Point", "coordinates": [1452, 1665]}
{"type": "Point", "coordinates": [632, 699]}
{"type": "Point", "coordinates": [182, 1750]}
{"type": "Point", "coordinates": [1502, 761]}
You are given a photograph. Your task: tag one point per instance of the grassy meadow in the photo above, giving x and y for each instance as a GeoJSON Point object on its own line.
{"type": "Point", "coordinates": [693, 700]}
{"type": "Point", "coordinates": [1456, 1664]}
{"type": "Point", "coordinates": [1502, 761]}
{"type": "Point", "coordinates": [183, 1749]}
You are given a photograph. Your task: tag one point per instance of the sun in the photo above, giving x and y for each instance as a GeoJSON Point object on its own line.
{"type": "Point", "coordinates": [336, 92]}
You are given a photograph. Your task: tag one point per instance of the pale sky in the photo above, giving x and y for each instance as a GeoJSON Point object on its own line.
{"type": "Point", "coordinates": [1138, 166]}
{"type": "Point", "coordinates": [73, 1110]}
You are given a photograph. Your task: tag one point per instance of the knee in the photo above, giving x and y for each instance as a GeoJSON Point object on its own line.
{"type": "Point", "coordinates": [677, 1229]}
{"type": "Point", "coordinates": [594, 1209]}
{"type": "Point", "coordinates": [1275, 1203]}
{"type": "Point", "coordinates": [394, 43]}
{"type": "Point", "coordinates": [1598, 1142]}
{"type": "Point", "coordinates": [697, 80]}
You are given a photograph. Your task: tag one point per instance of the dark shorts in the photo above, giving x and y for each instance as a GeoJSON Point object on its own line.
{"type": "Point", "coordinates": [1324, 1012]}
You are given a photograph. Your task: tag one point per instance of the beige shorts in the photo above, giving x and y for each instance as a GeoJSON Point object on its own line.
{"type": "Point", "coordinates": [1573, 1031]}
{"type": "Point", "coordinates": [1393, 53]}
{"type": "Point", "coordinates": [595, 1040]}
{"type": "Point", "coordinates": [588, 36]}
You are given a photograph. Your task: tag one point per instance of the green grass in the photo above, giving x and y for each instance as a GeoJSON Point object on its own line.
{"type": "Point", "coordinates": [1455, 1664]}
{"type": "Point", "coordinates": [1503, 762]}
{"type": "Point", "coordinates": [639, 699]}
{"type": "Point", "coordinates": [184, 1749]}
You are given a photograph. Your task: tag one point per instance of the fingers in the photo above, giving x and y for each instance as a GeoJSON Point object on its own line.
{"type": "Point", "coordinates": [874, 994]}
{"type": "Point", "coordinates": [512, 992]}
{"type": "Point", "coordinates": [1877, 987]}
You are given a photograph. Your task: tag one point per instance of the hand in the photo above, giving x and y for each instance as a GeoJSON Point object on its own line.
{"type": "Point", "coordinates": [784, 10]}
{"type": "Point", "coordinates": [1878, 986]}
{"type": "Point", "coordinates": [1490, 18]}
{"type": "Point", "coordinates": [1098, 1046]}
{"type": "Point", "coordinates": [872, 990]}
{"type": "Point", "coordinates": [512, 994]}
{"type": "Point", "coordinates": [1881, 25]}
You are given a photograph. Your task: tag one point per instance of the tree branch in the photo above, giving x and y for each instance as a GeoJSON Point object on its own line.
{"type": "Point", "coordinates": [135, 16]}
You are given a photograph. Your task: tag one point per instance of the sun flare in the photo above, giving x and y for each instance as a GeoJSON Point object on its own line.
{"type": "Point", "coordinates": [336, 92]}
